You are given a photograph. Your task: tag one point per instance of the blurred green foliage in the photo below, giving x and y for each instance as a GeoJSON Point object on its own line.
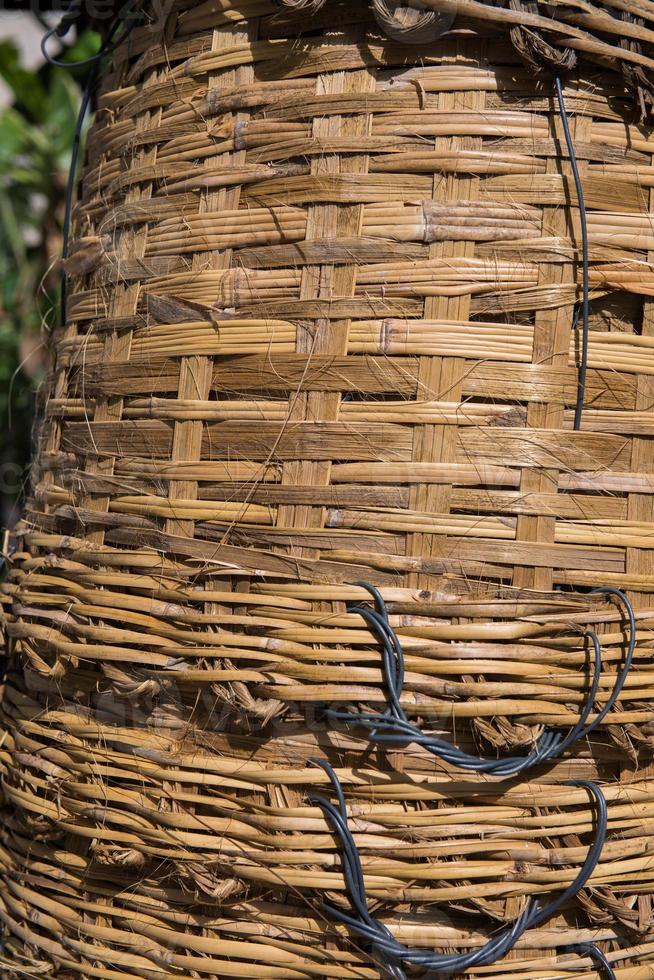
{"type": "Point", "coordinates": [36, 136]}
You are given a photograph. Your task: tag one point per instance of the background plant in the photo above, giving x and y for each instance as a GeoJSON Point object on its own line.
{"type": "Point", "coordinates": [36, 136]}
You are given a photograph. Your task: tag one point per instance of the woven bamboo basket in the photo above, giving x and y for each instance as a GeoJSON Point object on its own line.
{"type": "Point", "coordinates": [325, 326]}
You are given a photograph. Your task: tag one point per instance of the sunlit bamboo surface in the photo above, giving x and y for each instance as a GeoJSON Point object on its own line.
{"type": "Point", "coordinates": [320, 331]}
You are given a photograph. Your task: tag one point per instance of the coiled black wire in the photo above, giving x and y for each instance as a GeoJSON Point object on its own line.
{"type": "Point", "coordinates": [583, 355]}
{"type": "Point", "coordinates": [392, 727]}
{"type": "Point", "coordinates": [392, 952]}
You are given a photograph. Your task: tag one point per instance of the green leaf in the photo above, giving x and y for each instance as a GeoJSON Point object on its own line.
{"type": "Point", "coordinates": [26, 86]}
{"type": "Point", "coordinates": [62, 108]}
{"type": "Point", "coordinates": [10, 228]}
{"type": "Point", "coordinates": [13, 137]}
{"type": "Point", "coordinates": [86, 46]}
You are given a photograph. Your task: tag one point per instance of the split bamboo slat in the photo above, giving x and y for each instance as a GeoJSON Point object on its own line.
{"type": "Point", "coordinates": [323, 329]}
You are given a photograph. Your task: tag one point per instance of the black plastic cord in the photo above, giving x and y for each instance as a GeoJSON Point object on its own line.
{"type": "Point", "coordinates": [72, 177]}
{"type": "Point", "coordinates": [597, 956]}
{"type": "Point", "coordinates": [387, 948]}
{"type": "Point", "coordinates": [110, 43]}
{"type": "Point", "coordinates": [583, 360]}
{"type": "Point", "coordinates": [392, 727]}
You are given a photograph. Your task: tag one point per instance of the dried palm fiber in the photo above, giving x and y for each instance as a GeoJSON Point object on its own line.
{"type": "Point", "coordinates": [320, 331]}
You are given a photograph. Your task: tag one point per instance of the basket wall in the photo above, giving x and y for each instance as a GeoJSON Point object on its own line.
{"type": "Point", "coordinates": [320, 331]}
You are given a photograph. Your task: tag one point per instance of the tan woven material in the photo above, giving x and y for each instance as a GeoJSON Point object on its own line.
{"type": "Point", "coordinates": [320, 331]}
{"type": "Point", "coordinates": [552, 36]}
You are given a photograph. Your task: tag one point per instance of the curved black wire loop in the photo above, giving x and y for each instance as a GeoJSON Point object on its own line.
{"type": "Point", "coordinates": [600, 961]}
{"type": "Point", "coordinates": [392, 727]}
{"type": "Point", "coordinates": [583, 358]}
{"type": "Point", "coordinates": [110, 43]}
{"type": "Point", "coordinates": [392, 952]}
